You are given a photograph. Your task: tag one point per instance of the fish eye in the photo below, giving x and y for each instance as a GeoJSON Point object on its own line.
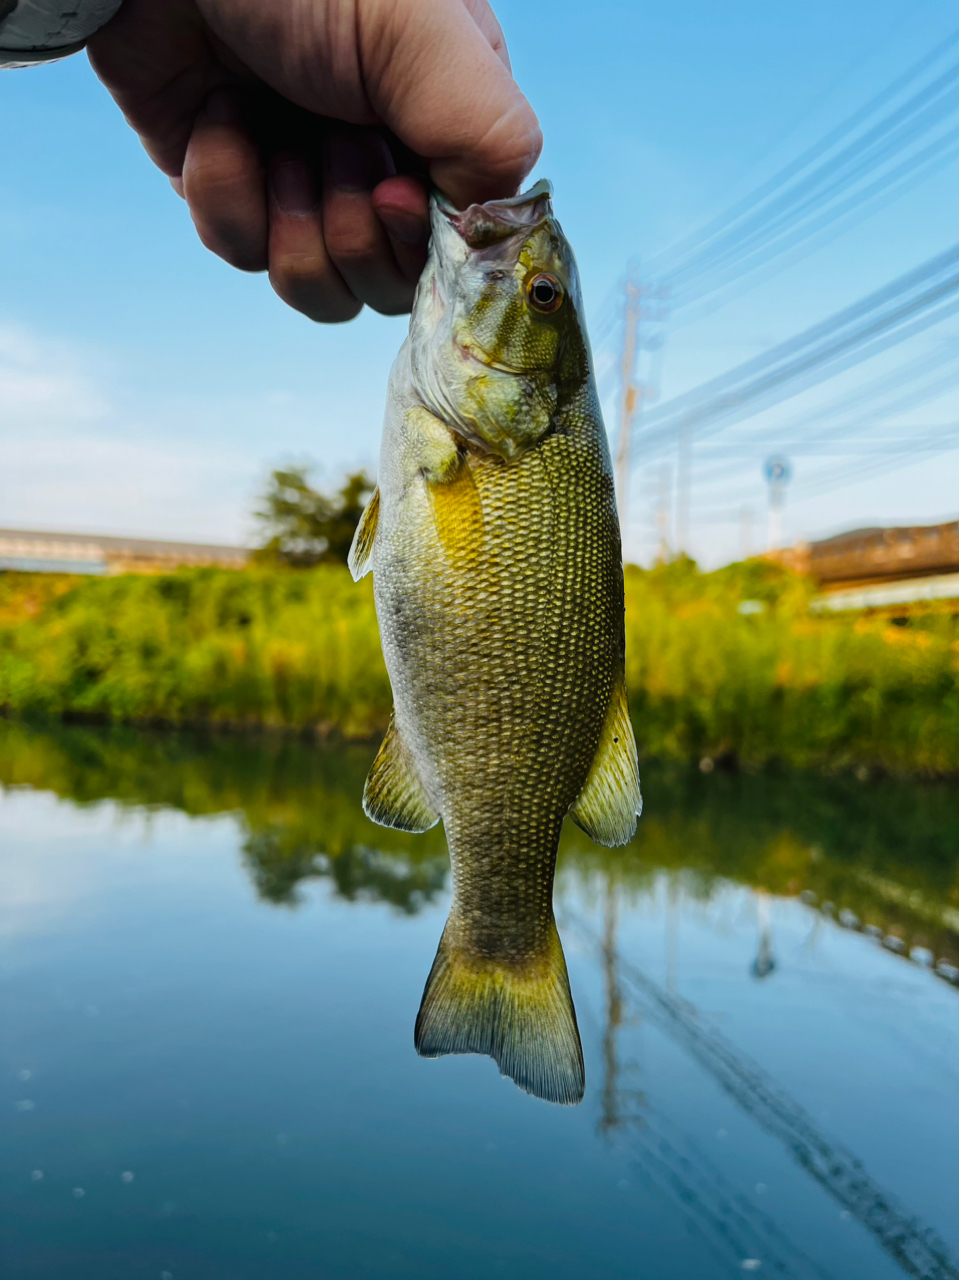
{"type": "Point", "coordinates": [545, 293]}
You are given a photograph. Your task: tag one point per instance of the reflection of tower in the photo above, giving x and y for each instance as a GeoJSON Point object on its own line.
{"type": "Point", "coordinates": [612, 1093]}
{"type": "Point", "coordinates": [614, 1013]}
{"type": "Point", "coordinates": [765, 961]}
{"type": "Point", "coordinates": [777, 472]}
{"type": "Point", "coordinates": [912, 1244]}
{"type": "Point", "coordinates": [733, 1228]}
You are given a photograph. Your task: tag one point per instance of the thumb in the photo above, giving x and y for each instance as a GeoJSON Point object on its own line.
{"type": "Point", "coordinates": [442, 87]}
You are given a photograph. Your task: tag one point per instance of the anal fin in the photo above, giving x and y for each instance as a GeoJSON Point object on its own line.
{"type": "Point", "coordinates": [611, 801]}
{"type": "Point", "coordinates": [359, 558]}
{"type": "Point", "coordinates": [393, 795]}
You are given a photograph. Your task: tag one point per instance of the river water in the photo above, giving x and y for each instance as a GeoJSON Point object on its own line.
{"type": "Point", "coordinates": [210, 965]}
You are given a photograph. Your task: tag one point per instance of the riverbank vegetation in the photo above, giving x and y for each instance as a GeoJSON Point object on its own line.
{"type": "Point", "coordinates": [725, 667]}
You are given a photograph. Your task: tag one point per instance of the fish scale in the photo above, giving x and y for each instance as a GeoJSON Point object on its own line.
{"type": "Point", "coordinates": [494, 544]}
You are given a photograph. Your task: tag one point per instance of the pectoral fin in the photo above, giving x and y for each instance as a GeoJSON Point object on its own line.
{"type": "Point", "coordinates": [362, 548]}
{"type": "Point", "coordinates": [450, 487]}
{"type": "Point", "coordinates": [610, 801]}
{"type": "Point", "coordinates": [393, 795]}
{"type": "Point", "coordinates": [457, 515]}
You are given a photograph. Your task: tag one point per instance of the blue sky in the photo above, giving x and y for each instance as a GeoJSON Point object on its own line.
{"type": "Point", "coordinates": [147, 388]}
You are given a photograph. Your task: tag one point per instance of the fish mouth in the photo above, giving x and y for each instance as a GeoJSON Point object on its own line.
{"type": "Point", "coordinates": [483, 225]}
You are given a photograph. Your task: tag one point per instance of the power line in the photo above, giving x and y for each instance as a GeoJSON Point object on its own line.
{"type": "Point", "coordinates": [824, 481]}
{"type": "Point", "coordinates": [890, 315]}
{"type": "Point", "coordinates": [818, 231]}
{"type": "Point", "coordinates": [819, 174]}
{"type": "Point", "coordinates": [878, 398]}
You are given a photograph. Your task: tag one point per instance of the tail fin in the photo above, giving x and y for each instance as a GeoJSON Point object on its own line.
{"type": "Point", "coordinates": [521, 1014]}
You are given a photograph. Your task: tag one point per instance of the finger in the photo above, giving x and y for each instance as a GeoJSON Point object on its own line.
{"type": "Point", "coordinates": [301, 271]}
{"type": "Point", "coordinates": [157, 63]}
{"type": "Point", "coordinates": [488, 23]}
{"type": "Point", "coordinates": [223, 183]}
{"type": "Point", "coordinates": [437, 83]}
{"type": "Point", "coordinates": [355, 161]}
{"type": "Point", "coordinates": [403, 207]}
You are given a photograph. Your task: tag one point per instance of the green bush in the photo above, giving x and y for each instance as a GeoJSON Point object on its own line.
{"type": "Point", "coordinates": [264, 647]}
{"type": "Point", "coordinates": [300, 651]}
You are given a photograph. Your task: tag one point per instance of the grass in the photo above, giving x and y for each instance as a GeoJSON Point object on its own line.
{"type": "Point", "coordinates": [300, 651]}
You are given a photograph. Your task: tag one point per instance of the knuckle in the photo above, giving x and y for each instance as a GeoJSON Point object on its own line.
{"type": "Point", "coordinates": [235, 244]}
{"type": "Point", "coordinates": [351, 246]}
{"type": "Point", "coordinates": [300, 282]}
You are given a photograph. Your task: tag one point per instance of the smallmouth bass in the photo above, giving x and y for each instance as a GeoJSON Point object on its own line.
{"type": "Point", "coordinates": [494, 544]}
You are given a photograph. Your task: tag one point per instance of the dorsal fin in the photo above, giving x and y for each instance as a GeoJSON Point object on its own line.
{"type": "Point", "coordinates": [393, 795]}
{"type": "Point", "coordinates": [362, 548]}
{"type": "Point", "coordinates": [610, 801]}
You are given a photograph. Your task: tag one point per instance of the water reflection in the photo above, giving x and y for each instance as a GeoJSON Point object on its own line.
{"type": "Point", "coordinates": [732, 1224]}
{"type": "Point", "coordinates": [882, 858]}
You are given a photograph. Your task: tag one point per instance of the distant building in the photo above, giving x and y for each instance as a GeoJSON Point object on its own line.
{"type": "Point", "coordinates": [32, 552]}
{"type": "Point", "coordinates": [882, 567]}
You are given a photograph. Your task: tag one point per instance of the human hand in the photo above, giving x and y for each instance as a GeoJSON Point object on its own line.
{"type": "Point", "coordinates": [302, 132]}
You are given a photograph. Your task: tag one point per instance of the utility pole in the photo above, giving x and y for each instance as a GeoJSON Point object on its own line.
{"type": "Point", "coordinates": [630, 394]}
{"type": "Point", "coordinates": [610, 1118]}
{"type": "Point", "coordinates": [684, 477]}
{"type": "Point", "coordinates": [664, 515]}
{"type": "Point", "coordinates": [745, 532]}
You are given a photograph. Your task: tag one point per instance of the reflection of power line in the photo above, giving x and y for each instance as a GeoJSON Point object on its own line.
{"type": "Point", "coordinates": [917, 1248]}
{"type": "Point", "coordinates": [730, 1224]}
{"type": "Point", "coordinates": [736, 1230]}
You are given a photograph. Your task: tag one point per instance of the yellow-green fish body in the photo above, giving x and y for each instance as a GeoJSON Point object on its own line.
{"type": "Point", "coordinates": [494, 542]}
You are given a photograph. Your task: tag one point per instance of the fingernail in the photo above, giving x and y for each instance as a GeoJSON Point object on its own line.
{"type": "Point", "coordinates": [222, 107]}
{"type": "Point", "coordinates": [405, 227]}
{"type": "Point", "coordinates": [293, 187]}
{"type": "Point", "coordinates": [349, 165]}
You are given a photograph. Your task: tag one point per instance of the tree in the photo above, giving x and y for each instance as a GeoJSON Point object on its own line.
{"type": "Point", "coordinates": [303, 526]}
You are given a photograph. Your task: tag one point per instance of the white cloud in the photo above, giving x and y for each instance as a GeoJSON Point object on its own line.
{"type": "Point", "coordinates": [72, 459]}
{"type": "Point", "coordinates": [83, 449]}
{"type": "Point", "coordinates": [43, 382]}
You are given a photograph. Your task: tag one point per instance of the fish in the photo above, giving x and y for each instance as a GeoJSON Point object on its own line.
{"type": "Point", "coordinates": [494, 544]}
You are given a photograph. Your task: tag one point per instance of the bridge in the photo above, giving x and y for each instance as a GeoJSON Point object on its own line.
{"type": "Point", "coordinates": [38, 552]}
